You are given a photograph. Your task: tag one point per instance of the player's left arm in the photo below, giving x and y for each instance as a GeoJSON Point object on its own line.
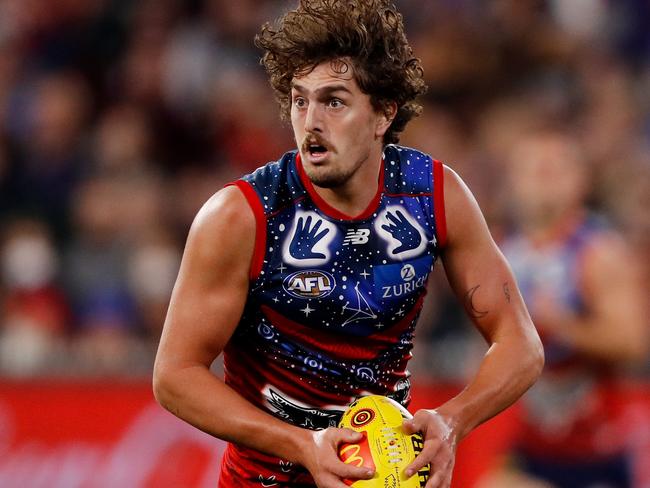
{"type": "Point", "coordinates": [482, 279]}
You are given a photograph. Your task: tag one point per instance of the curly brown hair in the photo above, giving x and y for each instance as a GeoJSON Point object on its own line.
{"type": "Point", "coordinates": [370, 33]}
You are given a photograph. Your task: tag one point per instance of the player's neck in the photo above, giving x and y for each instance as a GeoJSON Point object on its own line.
{"type": "Point", "coordinates": [356, 194]}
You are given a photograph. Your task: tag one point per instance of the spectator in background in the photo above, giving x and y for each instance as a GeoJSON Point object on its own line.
{"type": "Point", "coordinates": [153, 267]}
{"type": "Point", "coordinates": [582, 286]}
{"type": "Point", "coordinates": [123, 142]}
{"type": "Point", "coordinates": [50, 131]}
{"type": "Point", "coordinates": [120, 258]}
{"type": "Point", "coordinates": [96, 274]}
{"type": "Point", "coordinates": [34, 313]}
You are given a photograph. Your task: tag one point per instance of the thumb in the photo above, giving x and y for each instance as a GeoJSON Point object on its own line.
{"type": "Point", "coordinates": [409, 427]}
{"type": "Point", "coordinates": [349, 435]}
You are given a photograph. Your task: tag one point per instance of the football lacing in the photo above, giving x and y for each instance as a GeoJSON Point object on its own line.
{"type": "Point", "coordinates": [392, 446]}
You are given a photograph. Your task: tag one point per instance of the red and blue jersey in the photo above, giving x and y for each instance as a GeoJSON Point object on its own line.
{"type": "Point", "coordinates": [333, 299]}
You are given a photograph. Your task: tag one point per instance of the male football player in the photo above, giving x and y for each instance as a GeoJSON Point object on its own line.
{"type": "Point", "coordinates": [309, 274]}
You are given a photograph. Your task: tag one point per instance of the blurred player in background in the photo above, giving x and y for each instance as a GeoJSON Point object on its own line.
{"type": "Point", "coordinates": [309, 274]}
{"type": "Point", "coordinates": [582, 286]}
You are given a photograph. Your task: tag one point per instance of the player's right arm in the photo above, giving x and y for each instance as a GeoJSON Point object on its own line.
{"type": "Point", "coordinates": [206, 305]}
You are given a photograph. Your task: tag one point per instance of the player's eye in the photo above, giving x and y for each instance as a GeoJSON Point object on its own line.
{"type": "Point", "coordinates": [299, 102]}
{"type": "Point", "coordinates": [335, 103]}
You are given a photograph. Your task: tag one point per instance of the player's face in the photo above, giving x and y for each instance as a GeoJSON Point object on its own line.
{"type": "Point", "coordinates": [335, 125]}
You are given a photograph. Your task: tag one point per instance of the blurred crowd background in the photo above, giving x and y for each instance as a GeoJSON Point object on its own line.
{"type": "Point", "coordinates": [119, 118]}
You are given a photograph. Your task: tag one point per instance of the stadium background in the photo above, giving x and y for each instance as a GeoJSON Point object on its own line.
{"type": "Point", "coordinates": [119, 118]}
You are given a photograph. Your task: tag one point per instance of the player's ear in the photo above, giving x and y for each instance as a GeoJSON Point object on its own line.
{"type": "Point", "coordinates": [385, 116]}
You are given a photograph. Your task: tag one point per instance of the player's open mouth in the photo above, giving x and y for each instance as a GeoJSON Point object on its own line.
{"type": "Point", "coordinates": [317, 153]}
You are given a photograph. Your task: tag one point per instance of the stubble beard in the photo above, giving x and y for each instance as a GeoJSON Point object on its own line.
{"type": "Point", "coordinates": [329, 178]}
{"type": "Point", "coordinates": [333, 177]}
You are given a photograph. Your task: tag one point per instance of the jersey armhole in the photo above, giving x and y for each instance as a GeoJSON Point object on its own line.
{"type": "Point", "coordinates": [439, 203]}
{"type": "Point", "coordinates": [260, 226]}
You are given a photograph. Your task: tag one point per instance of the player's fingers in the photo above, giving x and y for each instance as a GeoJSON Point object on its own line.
{"type": "Point", "coordinates": [329, 480]}
{"type": "Point", "coordinates": [337, 484]}
{"type": "Point", "coordinates": [441, 474]}
{"type": "Point", "coordinates": [333, 482]}
{"type": "Point", "coordinates": [352, 472]}
{"type": "Point", "coordinates": [347, 435]}
{"type": "Point", "coordinates": [409, 427]}
{"type": "Point", "coordinates": [435, 481]}
{"type": "Point", "coordinates": [427, 456]}
{"type": "Point", "coordinates": [418, 423]}
{"type": "Point", "coordinates": [420, 461]}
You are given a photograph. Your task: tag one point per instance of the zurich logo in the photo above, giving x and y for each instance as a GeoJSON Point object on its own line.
{"type": "Point", "coordinates": [407, 272]}
{"type": "Point", "coordinates": [309, 284]}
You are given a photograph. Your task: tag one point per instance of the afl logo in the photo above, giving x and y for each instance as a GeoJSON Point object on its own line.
{"type": "Point", "coordinates": [309, 284]}
{"type": "Point", "coordinates": [363, 417]}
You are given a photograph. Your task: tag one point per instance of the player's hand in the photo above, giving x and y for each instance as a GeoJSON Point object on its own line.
{"type": "Point", "coordinates": [439, 450]}
{"type": "Point", "coordinates": [321, 458]}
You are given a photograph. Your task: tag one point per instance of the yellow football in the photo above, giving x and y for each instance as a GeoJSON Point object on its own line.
{"type": "Point", "coordinates": [385, 446]}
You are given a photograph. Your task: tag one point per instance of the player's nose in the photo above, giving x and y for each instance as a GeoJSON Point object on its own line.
{"type": "Point", "coordinates": [314, 118]}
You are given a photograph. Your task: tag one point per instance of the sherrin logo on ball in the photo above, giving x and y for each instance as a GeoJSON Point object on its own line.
{"type": "Point", "coordinates": [385, 446]}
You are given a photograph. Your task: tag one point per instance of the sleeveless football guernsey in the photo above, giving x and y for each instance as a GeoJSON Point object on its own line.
{"type": "Point", "coordinates": [333, 299]}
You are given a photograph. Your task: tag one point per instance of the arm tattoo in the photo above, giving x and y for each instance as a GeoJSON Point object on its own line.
{"type": "Point", "coordinates": [506, 291]}
{"type": "Point", "coordinates": [469, 304]}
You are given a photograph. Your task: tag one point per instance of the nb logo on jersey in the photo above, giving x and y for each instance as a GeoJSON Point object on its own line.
{"type": "Point", "coordinates": [356, 237]}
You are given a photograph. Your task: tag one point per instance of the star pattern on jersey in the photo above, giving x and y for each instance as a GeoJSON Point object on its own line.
{"type": "Point", "coordinates": [362, 311]}
{"type": "Point", "coordinates": [362, 260]}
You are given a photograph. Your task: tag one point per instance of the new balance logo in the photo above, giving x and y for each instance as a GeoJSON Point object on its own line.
{"type": "Point", "coordinates": [356, 237]}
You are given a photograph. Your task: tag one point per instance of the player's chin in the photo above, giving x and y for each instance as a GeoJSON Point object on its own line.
{"type": "Point", "coordinates": [326, 179]}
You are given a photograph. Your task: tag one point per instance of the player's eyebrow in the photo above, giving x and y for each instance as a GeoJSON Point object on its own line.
{"type": "Point", "coordinates": [325, 90]}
